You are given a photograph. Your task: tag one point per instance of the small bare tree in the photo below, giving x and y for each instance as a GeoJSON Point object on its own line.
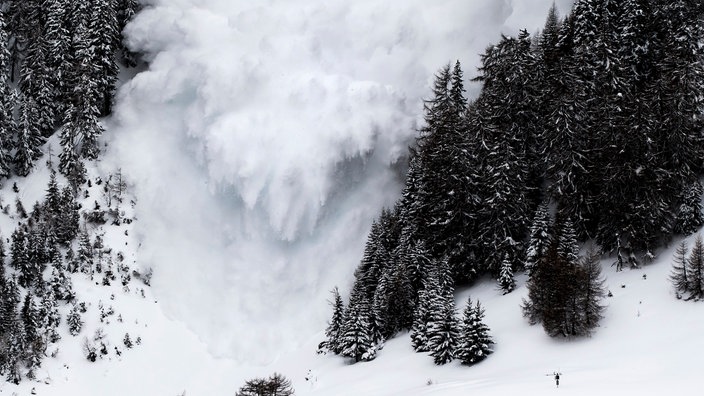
{"type": "Point", "coordinates": [276, 385]}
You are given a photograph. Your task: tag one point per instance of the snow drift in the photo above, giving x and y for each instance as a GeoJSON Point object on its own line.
{"type": "Point", "coordinates": [266, 136]}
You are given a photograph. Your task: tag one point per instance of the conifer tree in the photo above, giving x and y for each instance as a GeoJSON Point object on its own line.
{"type": "Point", "coordinates": [11, 299]}
{"type": "Point", "coordinates": [84, 254]}
{"type": "Point", "coordinates": [126, 9]}
{"type": "Point", "coordinates": [7, 103]}
{"type": "Point", "coordinates": [444, 193]}
{"type": "Point", "coordinates": [19, 256]}
{"type": "Point", "coordinates": [49, 317]}
{"type": "Point", "coordinates": [33, 341]}
{"type": "Point", "coordinates": [37, 86]}
{"type": "Point", "coordinates": [562, 312]}
{"type": "Point", "coordinates": [401, 299]}
{"type": "Point", "coordinates": [29, 317]}
{"type": "Point", "coordinates": [356, 337]}
{"type": "Point", "coordinates": [24, 22]}
{"type": "Point", "coordinates": [70, 164]}
{"type": "Point", "coordinates": [678, 276]}
{"type": "Point", "coordinates": [421, 316]}
{"type": "Point", "coordinates": [475, 343]}
{"type": "Point", "coordinates": [567, 245]}
{"type": "Point", "coordinates": [59, 59]}
{"type": "Point", "coordinates": [549, 39]}
{"type": "Point", "coordinates": [442, 331]}
{"type": "Point", "coordinates": [695, 269]}
{"type": "Point", "coordinates": [564, 294]}
{"type": "Point", "coordinates": [539, 286]}
{"type": "Point", "coordinates": [441, 327]}
{"type": "Point", "coordinates": [677, 104]}
{"type": "Point", "coordinates": [592, 291]}
{"type": "Point", "coordinates": [67, 220]}
{"type": "Point", "coordinates": [17, 348]}
{"type": "Point", "coordinates": [688, 216]}
{"type": "Point", "coordinates": [539, 236]}
{"type": "Point", "coordinates": [52, 200]}
{"type": "Point", "coordinates": [417, 260]}
{"type": "Point", "coordinates": [506, 280]}
{"type": "Point", "coordinates": [74, 321]}
{"type": "Point", "coordinates": [393, 301]}
{"type": "Point", "coordinates": [104, 37]}
{"type": "Point", "coordinates": [332, 332]}
{"type": "Point", "coordinates": [28, 145]}
{"type": "Point", "coordinates": [370, 268]}
{"type": "Point", "coordinates": [60, 284]}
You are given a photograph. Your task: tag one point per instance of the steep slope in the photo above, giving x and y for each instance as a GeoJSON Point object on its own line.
{"type": "Point", "coordinates": [264, 139]}
{"type": "Point", "coordinates": [257, 174]}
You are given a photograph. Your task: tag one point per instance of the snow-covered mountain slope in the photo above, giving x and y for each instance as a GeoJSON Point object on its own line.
{"type": "Point", "coordinates": [263, 140]}
{"type": "Point", "coordinates": [260, 144]}
{"type": "Point", "coordinates": [647, 344]}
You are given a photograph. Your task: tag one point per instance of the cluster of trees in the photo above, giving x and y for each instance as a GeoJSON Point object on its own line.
{"type": "Point", "coordinates": [58, 67]}
{"type": "Point", "coordinates": [564, 289]}
{"type": "Point", "coordinates": [37, 283]}
{"type": "Point", "coordinates": [599, 117]}
{"type": "Point", "coordinates": [688, 270]}
{"type": "Point", "coordinates": [358, 331]}
{"type": "Point", "coordinates": [49, 244]}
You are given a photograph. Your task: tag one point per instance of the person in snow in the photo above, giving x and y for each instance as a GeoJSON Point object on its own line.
{"type": "Point", "coordinates": [557, 379]}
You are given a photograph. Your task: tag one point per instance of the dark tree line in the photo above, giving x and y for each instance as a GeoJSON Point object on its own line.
{"type": "Point", "coordinates": [597, 118]}
{"type": "Point", "coordinates": [58, 69]}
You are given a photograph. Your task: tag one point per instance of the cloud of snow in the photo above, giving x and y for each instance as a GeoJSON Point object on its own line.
{"type": "Point", "coordinates": [265, 137]}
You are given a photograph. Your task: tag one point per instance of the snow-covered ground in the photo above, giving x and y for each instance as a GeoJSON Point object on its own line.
{"type": "Point", "coordinates": [260, 143]}
{"type": "Point", "coordinates": [648, 344]}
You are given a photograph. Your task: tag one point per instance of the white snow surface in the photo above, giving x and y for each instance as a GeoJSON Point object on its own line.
{"type": "Point", "coordinates": [265, 137]}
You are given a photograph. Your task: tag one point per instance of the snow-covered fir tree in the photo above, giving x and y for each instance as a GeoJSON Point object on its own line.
{"type": "Point", "coordinates": [74, 321]}
{"type": "Point", "coordinates": [506, 280]}
{"type": "Point", "coordinates": [421, 316]}
{"type": "Point", "coordinates": [539, 236]}
{"type": "Point", "coordinates": [475, 343]}
{"type": "Point", "coordinates": [29, 138]}
{"type": "Point", "coordinates": [332, 332]}
{"type": "Point", "coordinates": [356, 339]}
{"type": "Point", "coordinates": [442, 327]}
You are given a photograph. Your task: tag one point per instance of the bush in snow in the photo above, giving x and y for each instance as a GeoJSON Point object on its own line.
{"type": "Point", "coordinates": [276, 385]}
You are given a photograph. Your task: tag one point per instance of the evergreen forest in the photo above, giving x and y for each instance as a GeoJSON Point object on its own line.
{"type": "Point", "coordinates": [59, 65]}
{"type": "Point", "coordinates": [589, 132]}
